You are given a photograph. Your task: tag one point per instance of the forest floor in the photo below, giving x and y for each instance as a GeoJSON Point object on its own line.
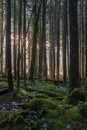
{"type": "Point", "coordinates": [43, 105]}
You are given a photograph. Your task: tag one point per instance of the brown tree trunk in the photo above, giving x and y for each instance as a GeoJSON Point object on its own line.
{"type": "Point", "coordinates": [8, 45]}
{"type": "Point", "coordinates": [74, 45]}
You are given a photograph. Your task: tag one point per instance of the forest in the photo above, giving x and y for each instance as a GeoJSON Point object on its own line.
{"type": "Point", "coordinates": [43, 64]}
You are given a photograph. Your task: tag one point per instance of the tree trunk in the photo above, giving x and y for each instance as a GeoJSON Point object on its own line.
{"type": "Point", "coordinates": [8, 45]}
{"type": "Point", "coordinates": [2, 39]}
{"type": "Point", "coordinates": [14, 49]}
{"type": "Point", "coordinates": [64, 40]}
{"type": "Point", "coordinates": [34, 45]}
{"type": "Point", "coordinates": [74, 57]}
{"type": "Point", "coordinates": [19, 39]}
{"type": "Point", "coordinates": [24, 41]}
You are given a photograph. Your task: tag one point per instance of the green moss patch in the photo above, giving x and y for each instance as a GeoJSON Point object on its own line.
{"type": "Point", "coordinates": [3, 85]}
{"type": "Point", "coordinates": [83, 109]}
{"type": "Point", "coordinates": [77, 95]}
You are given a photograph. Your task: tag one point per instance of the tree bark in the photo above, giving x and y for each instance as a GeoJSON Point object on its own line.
{"type": "Point", "coordinates": [74, 45]}
{"type": "Point", "coordinates": [8, 45]}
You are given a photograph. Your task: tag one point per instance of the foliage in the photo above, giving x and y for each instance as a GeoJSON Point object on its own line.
{"type": "Point", "coordinates": [42, 110]}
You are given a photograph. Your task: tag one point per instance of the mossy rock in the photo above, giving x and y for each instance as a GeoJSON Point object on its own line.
{"type": "Point", "coordinates": [77, 95]}
{"type": "Point", "coordinates": [83, 109]}
{"type": "Point", "coordinates": [39, 103]}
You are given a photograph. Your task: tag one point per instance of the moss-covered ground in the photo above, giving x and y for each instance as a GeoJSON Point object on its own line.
{"type": "Point", "coordinates": [43, 106]}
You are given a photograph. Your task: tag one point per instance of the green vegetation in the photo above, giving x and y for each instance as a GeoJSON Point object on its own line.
{"type": "Point", "coordinates": [83, 109]}
{"type": "Point", "coordinates": [77, 95]}
{"type": "Point", "coordinates": [40, 107]}
{"type": "Point", "coordinates": [3, 85]}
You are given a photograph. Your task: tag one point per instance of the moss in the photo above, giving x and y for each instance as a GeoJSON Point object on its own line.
{"type": "Point", "coordinates": [73, 117]}
{"type": "Point", "coordinates": [56, 124]}
{"type": "Point", "coordinates": [83, 109]}
{"type": "Point", "coordinates": [77, 95]}
{"type": "Point", "coordinates": [24, 113]}
{"type": "Point", "coordinates": [24, 105]}
{"type": "Point", "coordinates": [18, 120]}
{"type": "Point", "coordinates": [73, 113]}
{"type": "Point", "coordinates": [52, 87]}
{"type": "Point", "coordinates": [65, 100]}
{"type": "Point", "coordinates": [41, 96]}
{"type": "Point", "coordinates": [3, 123]}
{"type": "Point", "coordinates": [52, 114]}
{"type": "Point", "coordinates": [39, 103]}
{"type": "Point", "coordinates": [3, 85]}
{"type": "Point", "coordinates": [37, 83]}
{"type": "Point", "coordinates": [55, 113]}
{"type": "Point", "coordinates": [6, 128]}
{"type": "Point", "coordinates": [54, 118]}
{"type": "Point", "coordinates": [47, 89]}
{"type": "Point", "coordinates": [17, 127]}
{"type": "Point", "coordinates": [59, 98]}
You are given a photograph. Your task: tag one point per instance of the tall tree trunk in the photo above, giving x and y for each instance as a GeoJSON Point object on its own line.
{"type": "Point", "coordinates": [64, 40]}
{"type": "Point", "coordinates": [24, 41]}
{"type": "Point", "coordinates": [52, 55]}
{"type": "Point", "coordinates": [82, 35]}
{"type": "Point", "coordinates": [19, 39]}
{"type": "Point", "coordinates": [2, 39]}
{"type": "Point", "coordinates": [86, 38]}
{"type": "Point", "coordinates": [14, 50]}
{"type": "Point", "coordinates": [58, 39]}
{"type": "Point", "coordinates": [42, 49]}
{"type": "Point", "coordinates": [34, 46]}
{"type": "Point", "coordinates": [74, 45]}
{"type": "Point", "coordinates": [8, 45]}
{"type": "Point", "coordinates": [44, 37]}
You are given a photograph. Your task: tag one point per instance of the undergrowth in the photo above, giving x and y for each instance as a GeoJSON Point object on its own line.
{"type": "Point", "coordinates": [47, 107]}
